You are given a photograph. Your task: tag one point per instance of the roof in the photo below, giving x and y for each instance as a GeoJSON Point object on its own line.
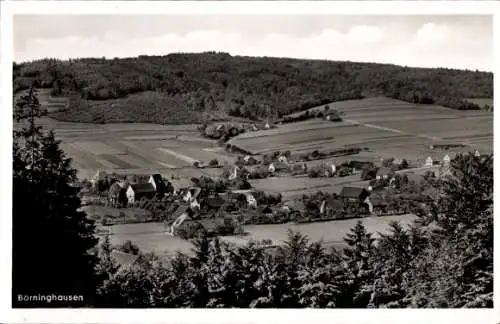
{"type": "Point", "coordinates": [195, 191]}
{"type": "Point", "coordinates": [143, 188]}
{"type": "Point", "coordinates": [181, 210]}
{"type": "Point", "coordinates": [180, 183]}
{"type": "Point", "coordinates": [353, 192]}
{"type": "Point", "coordinates": [124, 259]}
{"type": "Point", "coordinates": [157, 178]}
{"type": "Point", "coordinates": [384, 170]}
{"type": "Point", "coordinates": [215, 201]}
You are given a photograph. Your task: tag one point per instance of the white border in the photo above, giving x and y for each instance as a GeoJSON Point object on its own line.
{"type": "Point", "coordinates": [216, 316]}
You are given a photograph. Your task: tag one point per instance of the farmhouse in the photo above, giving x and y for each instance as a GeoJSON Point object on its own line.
{"type": "Point", "coordinates": [184, 212]}
{"type": "Point", "coordinates": [384, 173]}
{"type": "Point", "coordinates": [379, 206]}
{"type": "Point", "coordinates": [191, 194]}
{"type": "Point", "coordinates": [277, 167]}
{"type": "Point", "coordinates": [446, 160]}
{"type": "Point", "coordinates": [136, 192]}
{"type": "Point", "coordinates": [354, 193]}
{"type": "Point", "coordinates": [428, 162]}
{"type": "Point", "coordinates": [330, 205]}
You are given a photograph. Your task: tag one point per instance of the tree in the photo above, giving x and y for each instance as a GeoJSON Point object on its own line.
{"type": "Point", "coordinates": [358, 267]}
{"type": "Point", "coordinates": [52, 239]}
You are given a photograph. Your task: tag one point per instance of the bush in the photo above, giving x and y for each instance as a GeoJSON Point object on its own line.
{"type": "Point", "coordinates": [213, 163]}
{"type": "Point", "coordinates": [189, 229]}
{"type": "Point", "coordinates": [129, 247]}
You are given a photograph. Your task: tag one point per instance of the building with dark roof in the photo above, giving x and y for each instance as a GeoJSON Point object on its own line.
{"type": "Point", "coordinates": [354, 193]}
{"type": "Point", "coordinates": [384, 173]}
{"type": "Point", "coordinates": [136, 192]}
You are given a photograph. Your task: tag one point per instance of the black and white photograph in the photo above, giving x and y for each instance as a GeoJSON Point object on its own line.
{"type": "Point", "coordinates": [249, 160]}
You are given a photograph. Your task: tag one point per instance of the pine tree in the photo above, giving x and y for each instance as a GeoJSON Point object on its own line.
{"type": "Point", "coordinates": [52, 240]}
{"type": "Point", "coordinates": [358, 267]}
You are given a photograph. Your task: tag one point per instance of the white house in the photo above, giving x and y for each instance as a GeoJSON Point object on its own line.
{"type": "Point", "coordinates": [282, 159]}
{"type": "Point", "coordinates": [194, 203]}
{"type": "Point", "coordinates": [271, 168]}
{"type": "Point", "coordinates": [429, 162]}
{"type": "Point", "coordinates": [234, 174]}
{"type": "Point", "coordinates": [477, 154]}
{"type": "Point", "coordinates": [446, 160]}
{"type": "Point", "coordinates": [251, 201]}
{"type": "Point", "coordinates": [334, 169]}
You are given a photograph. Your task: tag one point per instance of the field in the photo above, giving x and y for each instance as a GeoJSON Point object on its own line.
{"type": "Point", "coordinates": [150, 237]}
{"type": "Point", "coordinates": [136, 148]}
{"type": "Point", "coordinates": [387, 127]}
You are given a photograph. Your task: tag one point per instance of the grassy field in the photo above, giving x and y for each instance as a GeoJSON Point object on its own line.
{"type": "Point", "coordinates": [386, 126]}
{"type": "Point", "coordinates": [136, 148]}
{"type": "Point", "coordinates": [150, 237]}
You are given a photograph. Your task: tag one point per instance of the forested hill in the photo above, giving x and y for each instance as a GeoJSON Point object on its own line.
{"type": "Point", "coordinates": [185, 88]}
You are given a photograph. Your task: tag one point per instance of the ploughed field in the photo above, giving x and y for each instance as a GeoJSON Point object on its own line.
{"type": "Point", "coordinates": [150, 237]}
{"type": "Point", "coordinates": [135, 148]}
{"type": "Point", "coordinates": [385, 126]}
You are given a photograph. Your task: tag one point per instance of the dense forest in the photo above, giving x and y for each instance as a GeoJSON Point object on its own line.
{"type": "Point", "coordinates": [185, 88]}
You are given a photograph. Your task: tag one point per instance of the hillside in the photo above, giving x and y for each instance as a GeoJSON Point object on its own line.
{"type": "Point", "coordinates": [192, 88]}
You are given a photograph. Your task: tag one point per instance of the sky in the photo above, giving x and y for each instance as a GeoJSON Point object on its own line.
{"type": "Point", "coordinates": [452, 41]}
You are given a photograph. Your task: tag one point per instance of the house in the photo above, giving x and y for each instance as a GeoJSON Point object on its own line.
{"type": "Point", "coordinates": [156, 180]}
{"type": "Point", "coordinates": [234, 173]}
{"type": "Point", "coordinates": [330, 205]}
{"type": "Point", "coordinates": [98, 176]}
{"type": "Point", "coordinates": [136, 192]}
{"type": "Point", "coordinates": [354, 193]}
{"type": "Point", "coordinates": [124, 260]}
{"type": "Point", "coordinates": [251, 201]}
{"type": "Point", "coordinates": [184, 212]}
{"type": "Point", "coordinates": [282, 159]}
{"type": "Point", "coordinates": [477, 154]}
{"type": "Point", "coordinates": [384, 173]}
{"type": "Point", "coordinates": [266, 210]}
{"type": "Point", "coordinates": [296, 205]}
{"type": "Point", "coordinates": [428, 162]}
{"type": "Point", "coordinates": [277, 167]}
{"type": "Point", "coordinates": [191, 194]}
{"type": "Point", "coordinates": [379, 206]}
{"type": "Point", "coordinates": [446, 160]}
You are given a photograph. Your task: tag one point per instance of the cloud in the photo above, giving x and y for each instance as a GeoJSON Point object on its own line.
{"type": "Point", "coordinates": [431, 33]}
{"type": "Point", "coordinates": [366, 34]}
{"type": "Point", "coordinates": [431, 42]}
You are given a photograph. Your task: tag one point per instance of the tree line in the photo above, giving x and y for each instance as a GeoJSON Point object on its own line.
{"type": "Point", "coordinates": [175, 88]}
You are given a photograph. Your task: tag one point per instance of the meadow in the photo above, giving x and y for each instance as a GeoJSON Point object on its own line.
{"type": "Point", "coordinates": [387, 127]}
{"type": "Point", "coordinates": [150, 237]}
{"type": "Point", "coordinates": [134, 148]}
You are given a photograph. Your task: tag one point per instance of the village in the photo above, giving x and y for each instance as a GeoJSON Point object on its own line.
{"type": "Point", "coordinates": [225, 205]}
